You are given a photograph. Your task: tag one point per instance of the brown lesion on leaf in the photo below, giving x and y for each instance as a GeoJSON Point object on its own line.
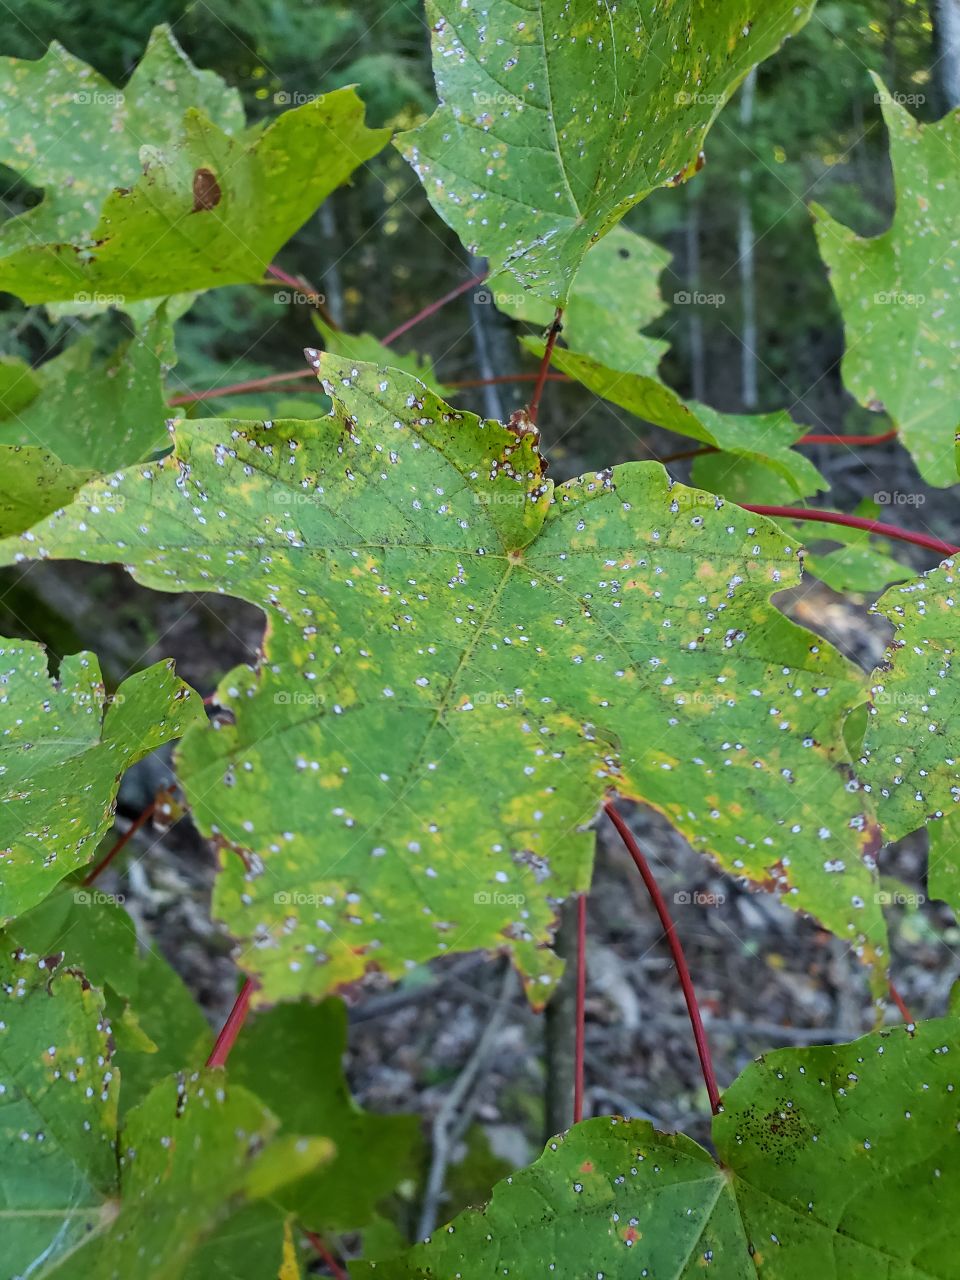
{"type": "Point", "coordinates": [206, 191]}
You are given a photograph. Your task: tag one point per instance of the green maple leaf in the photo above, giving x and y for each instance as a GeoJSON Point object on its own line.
{"type": "Point", "coordinates": [896, 292]}
{"type": "Point", "coordinates": [280, 1049]}
{"type": "Point", "coordinates": [33, 482]}
{"type": "Point", "coordinates": [834, 1160]}
{"type": "Point", "coordinates": [93, 412]}
{"type": "Point", "coordinates": [910, 749]}
{"type": "Point", "coordinates": [552, 125]}
{"type": "Point", "coordinates": [755, 458]}
{"type": "Point", "coordinates": [615, 296]}
{"type": "Point", "coordinates": [258, 1242]}
{"type": "Point", "coordinates": [80, 1199]}
{"type": "Point", "coordinates": [63, 749]}
{"type": "Point", "coordinates": [18, 384]}
{"type": "Point", "coordinates": [157, 1026]}
{"type": "Point", "coordinates": [943, 861]}
{"type": "Point", "coordinates": [461, 660]}
{"type": "Point", "coordinates": [159, 188]}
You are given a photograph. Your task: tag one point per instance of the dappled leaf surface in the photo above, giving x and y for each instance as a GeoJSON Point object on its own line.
{"type": "Point", "coordinates": [79, 1200]}
{"type": "Point", "coordinates": [897, 292]}
{"type": "Point", "coordinates": [159, 188]}
{"type": "Point", "coordinates": [33, 482]}
{"type": "Point", "coordinates": [943, 861]}
{"type": "Point", "coordinates": [461, 660]}
{"type": "Point", "coordinates": [835, 1161]}
{"type": "Point", "coordinates": [63, 749]}
{"type": "Point", "coordinates": [157, 1026]}
{"type": "Point", "coordinates": [555, 120]}
{"type": "Point", "coordinates": [58, 1115]}
{"type": "Point", "coordinates": [615, 296]}
{"type": "Point", "coordinates": [911, 746]}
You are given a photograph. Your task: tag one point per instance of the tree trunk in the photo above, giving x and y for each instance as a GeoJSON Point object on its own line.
{"type": "Point", "coordinates": [946, 50]}
{"type": "Point", "coordinates": [496, 351]}
{"type": "Point", "coordinates": [698, 367]}
{"type": "Point", "coordinates": [330, 281]}
{"type": "Point", "coordinates": [745, 245]}
{"type": "Point", "coordinates": [559, 1029]}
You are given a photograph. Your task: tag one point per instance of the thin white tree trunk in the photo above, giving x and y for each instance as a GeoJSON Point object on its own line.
{"type": "Point", "coordinates": [947, 48]}
{"type": "Point", "coordinates": [698, 368]}
{"type": "Point", "coordinates": [745, 246]}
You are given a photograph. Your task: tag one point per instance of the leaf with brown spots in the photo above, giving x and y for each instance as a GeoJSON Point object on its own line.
{"type": "Point", "coordinates": [461, 660]}
{"type": "Point", "coordinates": [835, 1161]}
{"type": "Point", "coordinates": [123, 171]}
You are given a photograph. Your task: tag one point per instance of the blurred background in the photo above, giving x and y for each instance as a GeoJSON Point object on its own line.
{"type": "Point", "coordinates": [740, 234]}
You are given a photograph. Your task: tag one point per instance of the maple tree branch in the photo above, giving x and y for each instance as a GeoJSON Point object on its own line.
{"type": "Point", "coordinates": [433, 307]}
{"type": "Point", "coordinates": [882, 438]}
{"type": "Point", "coordinates": [581, 1008]}
{"type": "Point", "coordinates": [926, 540]}
{"type": "Point", "coordinates": [676, 951]}
{"type": "Point", "coordinates": [332, 1265]}
{"type": "Point", "coordinates": [811, 439]}
{"type": "Point", "coordinates": [313, 296]}
{"type": "Point", "coordinates": [134, 827]}
{"type": "Point", "coordinates": [231, 1028]}
{"type": "Point", "coordinates": [533, 408]}
{"type": "Point", "coordinates": [465, 383]}
{"type": "Point", "coordinates": [242, 388]}
{"type": "Point", "coordinates": [898, 1000]}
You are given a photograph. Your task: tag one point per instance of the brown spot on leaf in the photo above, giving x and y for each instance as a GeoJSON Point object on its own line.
{"type": "Point", "coordinates": [206, 190]}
